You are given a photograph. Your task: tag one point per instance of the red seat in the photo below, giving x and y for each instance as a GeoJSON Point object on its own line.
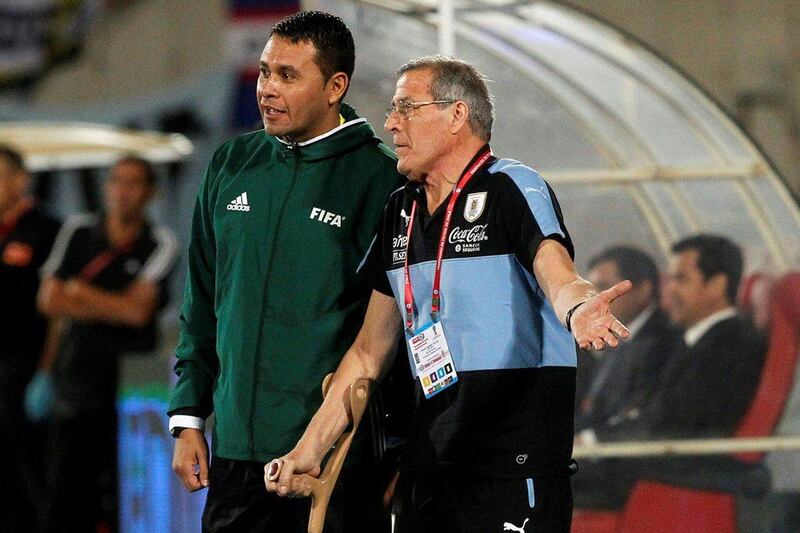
{"type": "Point", "coordinates": [754, 298]}
{"type": "Point", "coordinates": [659, 508]}
{"type": "Point", "coordinates": [778, 374]}
{"type": "Point", "coordinates": [588, 521]}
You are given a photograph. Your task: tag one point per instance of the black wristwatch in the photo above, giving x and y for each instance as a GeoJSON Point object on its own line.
{"type": "Point", "coordinates": [568, 320]}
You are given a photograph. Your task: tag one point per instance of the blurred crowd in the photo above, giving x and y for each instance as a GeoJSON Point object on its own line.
{"type": "Point", "coordinates": [76, 296]}
{"type": "Point", "coordinates": [689, 370]}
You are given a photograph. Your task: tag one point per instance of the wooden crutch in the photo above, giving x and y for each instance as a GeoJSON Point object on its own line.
{"type": "Point", "coordinates": [322, 486]}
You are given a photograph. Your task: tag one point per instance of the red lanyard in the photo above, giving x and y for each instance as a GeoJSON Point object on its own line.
{"type": "Point", "coordinates": [448, 215]}
{"type": "Point", "coordinates": [101, 261]}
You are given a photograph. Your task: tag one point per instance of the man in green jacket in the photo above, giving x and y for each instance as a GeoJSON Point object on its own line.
{"type": "Point", "coordinates": [272, 299]}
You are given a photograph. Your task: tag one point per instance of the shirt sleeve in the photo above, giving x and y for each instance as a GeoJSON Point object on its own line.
{"type": "Point", "coordinates": [161, 263]}
{"type": "Point", "coordinates": [197, 361]}
{"type": "Point", "coordinates": [186, 422]}
{"type": "Point", "coordinates": [532, 214]}
{"type": "Point", "coordinates": [372, 269]}
{"type": "Point", "coordinates": [63, 261]}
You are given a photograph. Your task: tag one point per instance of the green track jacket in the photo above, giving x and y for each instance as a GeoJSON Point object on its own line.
{"type": "Point", "coordinates": [272, 299]}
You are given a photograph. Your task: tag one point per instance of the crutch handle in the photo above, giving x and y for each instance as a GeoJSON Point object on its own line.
{"type": "Point", "coordinates": [322, 486]}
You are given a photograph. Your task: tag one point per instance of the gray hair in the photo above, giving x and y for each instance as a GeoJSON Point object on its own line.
{"type": "Point", "coordinates": [454, 79]}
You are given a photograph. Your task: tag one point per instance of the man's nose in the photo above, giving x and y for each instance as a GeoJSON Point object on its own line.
{"type": "Point", "coordinates": [267, 87]}
{"type": "Point", "coordinates": [391, 124]}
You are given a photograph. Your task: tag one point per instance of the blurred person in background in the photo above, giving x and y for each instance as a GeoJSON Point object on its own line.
{"type": "Point", "coordinates": [628, 375]}
{"type": "Point", "coordinates": [103, 286]}
{"type": "Point", "coordinates": [708, 385]}
{"type": "Point", "coordinates": [708, 382]}
{"type": "Point", "coordinates": [272, 299]}
{"type": "Point", "coordinates": [26, 236]}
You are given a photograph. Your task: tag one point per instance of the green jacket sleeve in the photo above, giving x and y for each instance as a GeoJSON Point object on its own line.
{"type": "Point", "coordinates": [198, 364]}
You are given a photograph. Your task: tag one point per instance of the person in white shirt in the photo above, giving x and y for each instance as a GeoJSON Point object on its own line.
{"type": "Point", "coordinates": [709, 381]}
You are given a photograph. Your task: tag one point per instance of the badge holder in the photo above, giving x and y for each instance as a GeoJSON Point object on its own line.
{"type": "Point", "coordinates": [433, 362]}
{"type": "Point", "coordinates": [322, 486]}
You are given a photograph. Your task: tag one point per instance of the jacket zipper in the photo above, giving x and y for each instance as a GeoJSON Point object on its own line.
{"type": "Point", "coordinates": [296, 152]}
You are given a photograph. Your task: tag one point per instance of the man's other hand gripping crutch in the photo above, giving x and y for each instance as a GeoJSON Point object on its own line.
{"type": "Point", "coordinates": [297, 474]}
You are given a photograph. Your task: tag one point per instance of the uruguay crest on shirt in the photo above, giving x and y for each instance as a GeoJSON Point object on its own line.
{"type": "Point", "coordinates": [474, 206]}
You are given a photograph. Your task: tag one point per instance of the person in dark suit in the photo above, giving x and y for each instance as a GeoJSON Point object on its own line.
{"type": "Point", "coordinates": [628, 376]}
{"type": "Point", "coordinates": [709, 381]}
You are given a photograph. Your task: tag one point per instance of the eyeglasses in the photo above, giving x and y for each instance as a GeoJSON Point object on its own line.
{"type": "Point", "coordinates": [404, 109]}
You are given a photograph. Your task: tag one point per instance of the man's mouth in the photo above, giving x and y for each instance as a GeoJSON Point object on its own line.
{"type": "Point", "coordinates": [270, 111]}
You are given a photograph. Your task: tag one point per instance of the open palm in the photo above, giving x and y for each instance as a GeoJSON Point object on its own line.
{"type": "Point", "coordinates": [593, 325]}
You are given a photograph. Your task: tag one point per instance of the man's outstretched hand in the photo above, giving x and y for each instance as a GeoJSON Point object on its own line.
{"type": "Point", "coordinates": [593, 325]}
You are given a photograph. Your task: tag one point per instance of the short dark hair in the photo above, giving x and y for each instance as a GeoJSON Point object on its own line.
{"type": "Point", "coordinates": [715, 255]}
{"type": "Point", "coordinates": [146, 166]}
{"type": "Point", "coordinates": [632, 263]}
{"type": "Point", "coordinates": [12, 157]}
{"type": "Point", "coordinates": [336, 51]}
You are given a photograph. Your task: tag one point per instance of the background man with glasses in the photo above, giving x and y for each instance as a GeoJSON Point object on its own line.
{"type": "Point", "coordinates": [472, 257]}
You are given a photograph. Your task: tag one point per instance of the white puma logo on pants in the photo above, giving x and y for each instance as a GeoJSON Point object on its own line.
{"type": "Point", "coordinates": [508, 526]}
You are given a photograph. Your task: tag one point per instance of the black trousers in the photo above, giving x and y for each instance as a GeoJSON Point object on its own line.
{"type": "Point", "coordinates": [21, 446]}
{"type": "Point", "coordinates": [238, 501]}
{"type": "Point", "coordinates": [20, 479]}
{"type": "Point", "coordinates": [82, 474]}
{"type": "Point", "coordinates": [440, 501]}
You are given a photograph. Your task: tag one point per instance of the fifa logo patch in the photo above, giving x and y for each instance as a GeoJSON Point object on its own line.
{"type": "Point", "coordinates": [326, 217]}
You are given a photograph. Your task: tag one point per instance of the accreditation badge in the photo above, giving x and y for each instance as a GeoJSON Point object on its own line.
{"type": "Point", "coordinates": [432, 359]}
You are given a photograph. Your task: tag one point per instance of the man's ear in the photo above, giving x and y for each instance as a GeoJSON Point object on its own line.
{"type": "Point", "coordinates": [22, 181]}
{"type": "Point", "coordinates": [336, 87]}
{"type": "Point", "coordinates": [719, 284]}
{"type": "Point", "coordinates": [646, 289]}
{"type": "Point", "coordinates": [460, 117]}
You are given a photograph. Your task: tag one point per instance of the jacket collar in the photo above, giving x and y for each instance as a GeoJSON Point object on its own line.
{"type": "Point", "coordinates": [326, 134]}
{"type": "Point", "coordinates": [635, 325]}
{"type": "Point", "coordinates": [696, 332]}
{"type": "Point", "coordinates": [354, 132]}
